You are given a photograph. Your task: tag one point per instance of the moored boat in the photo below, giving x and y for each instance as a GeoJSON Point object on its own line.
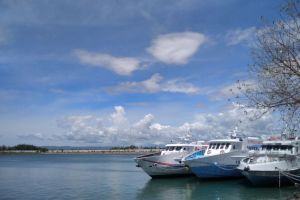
{"type": "Point", "coordinates": [276, 163]}
{"type": "Point", "coordinates": [168, 162]}
{"type": "Point", "coordinates": [221, 158]}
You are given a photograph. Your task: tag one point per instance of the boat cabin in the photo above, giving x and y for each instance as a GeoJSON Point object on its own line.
{"type": "Point", "coordinates": [223, 146]}
{"type": "Point", "coordinates": [289, 147]}
{"type": "Point", "coordinates": [175, 148]}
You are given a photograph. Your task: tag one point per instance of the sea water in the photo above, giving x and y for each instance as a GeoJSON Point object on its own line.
{"type": "Point", "coordinates": [91, 176]}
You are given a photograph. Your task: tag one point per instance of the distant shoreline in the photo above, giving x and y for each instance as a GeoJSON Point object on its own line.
{"type": "Point", "coordinates": [108, 152]}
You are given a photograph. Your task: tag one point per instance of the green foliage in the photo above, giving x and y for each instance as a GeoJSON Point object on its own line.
{"type": "Point", "coordinates": [131, 147]}
{"type": "Point", "coordinates": [124, 147]}
{"type": "Point", "coordinates": [23, 147]}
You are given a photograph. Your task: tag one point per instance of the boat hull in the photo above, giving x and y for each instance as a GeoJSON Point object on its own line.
{"type": "Point", "coordinates": [266, 171]}
{"type": "Point", "coordinates": [158, 166]}
{"type": "Point", "coordinates": [260, 178]}
{"type": "Point", "coordinates": [213, 171]}
{"type": "Point", "coordinates": [216, 166]}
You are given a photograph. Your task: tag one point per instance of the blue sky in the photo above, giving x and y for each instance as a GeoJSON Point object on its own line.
{"type": "Point", "coordinates": [124, 72]}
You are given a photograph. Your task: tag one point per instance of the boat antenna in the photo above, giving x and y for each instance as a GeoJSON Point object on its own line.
{"type": "Point", "coordinates": [288, 133]}
{"type": "Point", "coordinates": [233, 133]}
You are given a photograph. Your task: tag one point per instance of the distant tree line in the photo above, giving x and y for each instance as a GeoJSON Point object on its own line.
{"type": "Point", "coordinates": [23, 147]}
{"type": "Point", "coordinates": [132, 147]}
{"type": "Point", "coordinates": [125, 147]}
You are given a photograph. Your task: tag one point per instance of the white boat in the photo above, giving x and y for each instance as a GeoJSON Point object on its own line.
{"type": "Point", "coordinates": [277, 162]}
{"type": "Point", "coordinates": [168, 162]}
{"type": "Point", "coordinates": [221, 158]}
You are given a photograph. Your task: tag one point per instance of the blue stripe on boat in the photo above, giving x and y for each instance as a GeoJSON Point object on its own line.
{"type": "Point", "coordinates": [215, 171]}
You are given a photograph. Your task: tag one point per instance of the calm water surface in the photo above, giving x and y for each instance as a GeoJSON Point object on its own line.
{"type": "Point", "coordinates": [111, 177]}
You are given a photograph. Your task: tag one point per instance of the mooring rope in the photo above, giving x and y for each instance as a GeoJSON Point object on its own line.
{"type": "Point", "coordinates": [289, 174]}
{"type": "Point", "coordinates": [291, 177]}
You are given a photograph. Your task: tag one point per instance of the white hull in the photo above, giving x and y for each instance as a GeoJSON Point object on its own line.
{"type": "Point", "coordinates": [271, 172]}
{"type": "Point", "coordinates": [163, 165]}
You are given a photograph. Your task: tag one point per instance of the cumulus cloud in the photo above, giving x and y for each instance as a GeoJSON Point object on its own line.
{"type": "Point", "coordinates": [119, 65]}
{"type": "Point", "coordinates": [38, 136]}
{"type": "Point", "coordinates": [117, 129]}
{"type": "Point", "coordinates": [156, 84]}
{"type": "Point", "coordinates": [238, 36]}
{"type": "Point", "coordinates": [82, 128]}
{"type": "Point", "coordinates": [118, 117]}
{"type": "Point", "coordinates": [176, 48]}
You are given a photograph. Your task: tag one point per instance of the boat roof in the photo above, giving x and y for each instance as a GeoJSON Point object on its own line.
{"type": "Point", "coordinates": [185, 145]}
{"type": "Point", "coordinates": [224, 140]}
{"type": "Point", "coordinates": [280, 142]}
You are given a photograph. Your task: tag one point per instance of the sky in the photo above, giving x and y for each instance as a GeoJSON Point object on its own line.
{"type": "Point", "coordinates": [118, 72]}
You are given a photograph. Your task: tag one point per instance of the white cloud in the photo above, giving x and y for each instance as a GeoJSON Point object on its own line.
{"type": "Point", "coordinates": [82, 128]}
{"type": "Point", "coordinates": [176, 48]}
{"type": "Point", "coordinates": [156, 84]}
{"type": "Point", "coordinates": [38, 136]}
{"type": "Point", "coordinates": [179, 86]}
{"type": "Point", "coordinates": [118, 117]}
{"type": "Point", "coordinates": [238, 36]}
{"type": "Point", "coordinates": [117, 130]}
{"type": "Point", "coordinates": [119, 65]}
{"type": "Point", "coordinates": [172, 48]}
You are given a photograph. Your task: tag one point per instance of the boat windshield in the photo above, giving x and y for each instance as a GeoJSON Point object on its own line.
{"type": "Point", "coordinates": [277, 147]}
{"type": "Point", "coordinates": [222, 145]}
{"type": "Point", "coordinates": [219, 146]}
{"type": "Point", "coordinates": [178, 148]}
{"type": "Point", "coordinates": [170, 148]}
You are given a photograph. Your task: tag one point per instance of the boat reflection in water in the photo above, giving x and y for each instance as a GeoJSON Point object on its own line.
{"type": "Point", "coordinates": [194, 188]}
{"type": "Point", "coordinates": [169, 188]}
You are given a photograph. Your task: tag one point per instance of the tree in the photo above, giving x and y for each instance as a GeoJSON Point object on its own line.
{"type": "Point", "coordinates": [276, 67]}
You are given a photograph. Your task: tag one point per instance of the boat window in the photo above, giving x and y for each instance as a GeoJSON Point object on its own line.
{"type": "Point", "coordinates": [269, 148]}
{"type": "Point", "coordinates": [233, 147]}
{"type": "Point", "coordinates": [227, 146]}
{"type": "Point", "coordinates": [184, 148]}
{"type": "Point", "coordinates": [283, 148]}
{"type": "Point", "coordinates": [178, 148]}
{"type": "Point", "coordinates": [222, 146]}
{"type": "Point", "coordinates": [210, 146]}
{"type": "Point", "coordinates": [171, 148]}
{"type": "Point", "coordinates": [218, 145]}
{"type": "Point", "coordinates": [276, 148]}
